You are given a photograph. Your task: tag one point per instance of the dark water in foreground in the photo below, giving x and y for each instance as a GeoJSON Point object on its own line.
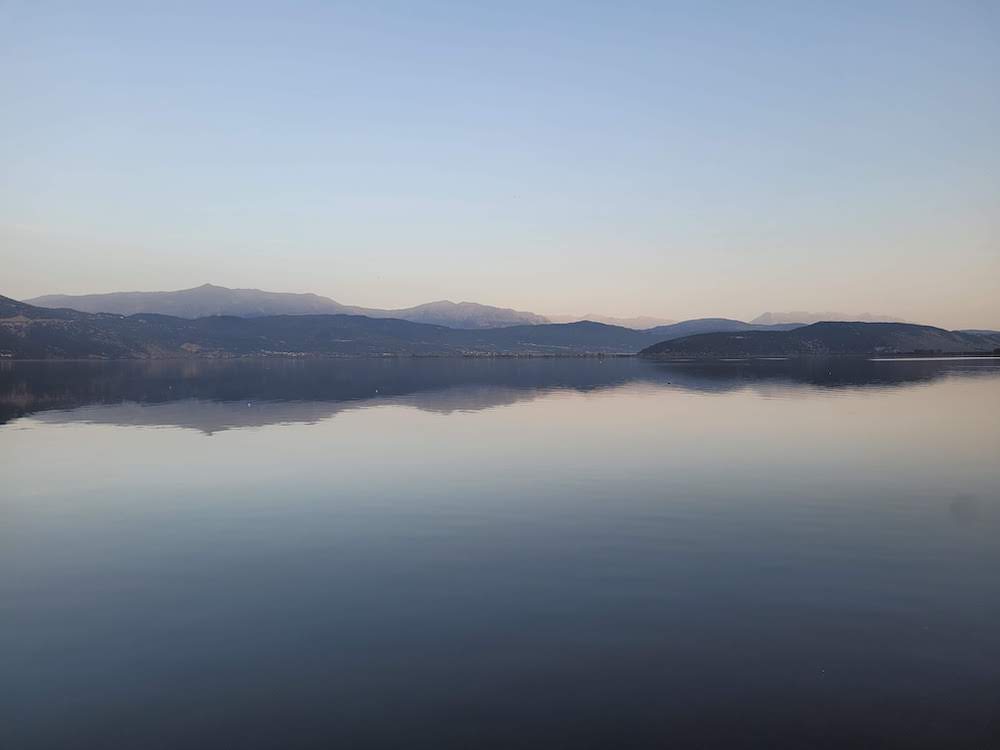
{"type": "Point", "coordinates": [469, 554]}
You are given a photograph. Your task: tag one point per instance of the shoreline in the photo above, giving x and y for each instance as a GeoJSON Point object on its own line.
{"type": "Point", "coordinates": [880, 357]}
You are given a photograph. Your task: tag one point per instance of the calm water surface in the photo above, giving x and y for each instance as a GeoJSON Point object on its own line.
{"type": "Point", "coordinates": [468, 554]}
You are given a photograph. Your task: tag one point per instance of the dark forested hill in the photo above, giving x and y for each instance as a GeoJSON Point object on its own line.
{"type": "Point", "coordinates": [825, 338]}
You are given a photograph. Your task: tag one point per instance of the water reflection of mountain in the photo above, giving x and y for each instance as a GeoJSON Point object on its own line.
{"type": "Point", "coordinates": [216, 395]}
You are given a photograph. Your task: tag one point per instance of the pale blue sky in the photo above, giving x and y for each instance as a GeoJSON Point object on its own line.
{"type": "Point", "coordinates": [674, 159]}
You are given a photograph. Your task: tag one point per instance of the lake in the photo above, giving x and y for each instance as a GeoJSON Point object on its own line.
{"type": "Point", "coordinates": [555, 553]}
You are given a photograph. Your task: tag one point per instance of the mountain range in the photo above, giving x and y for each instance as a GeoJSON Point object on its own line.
{"type": "Point", "coordinates": [210, 299]}
{"type": "Point", "coordinates": [29, 331]}
{"type": "Point", "coordinates": [32, 332]}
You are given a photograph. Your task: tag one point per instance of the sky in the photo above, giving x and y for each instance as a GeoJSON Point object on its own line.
{"type": "Point", "coordinates": [677, 159]}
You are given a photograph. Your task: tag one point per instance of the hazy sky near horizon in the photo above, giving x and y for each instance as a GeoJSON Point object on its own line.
{"type": "Point", "coordinates": [659, 158]}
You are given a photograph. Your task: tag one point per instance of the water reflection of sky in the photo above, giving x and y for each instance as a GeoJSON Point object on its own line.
{"type": "Point", "coordinates": [545, 549]}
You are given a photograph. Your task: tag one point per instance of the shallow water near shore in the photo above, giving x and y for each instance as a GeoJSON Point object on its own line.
{"type": "Point", "coordinates": [500, 553]}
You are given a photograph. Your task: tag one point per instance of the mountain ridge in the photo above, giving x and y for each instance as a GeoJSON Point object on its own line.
{"type": "Point", "coordinates": [30, 332]}
{"type": "Point", "coordinates": [212, 300]}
